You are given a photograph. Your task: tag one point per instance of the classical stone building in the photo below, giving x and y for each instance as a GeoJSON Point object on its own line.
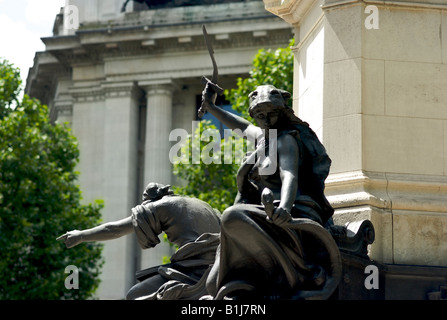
{"type": "Point", "coordinates": [124, 80]}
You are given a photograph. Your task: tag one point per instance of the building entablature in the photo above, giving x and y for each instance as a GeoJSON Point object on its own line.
{"type": "Point", "coordinates": [97, 44]}
{"type": "Point", "coordinates": [151, 45]}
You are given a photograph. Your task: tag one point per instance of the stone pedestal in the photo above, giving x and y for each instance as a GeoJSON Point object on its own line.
{"type": "Point", "coordinates": [371, 79]}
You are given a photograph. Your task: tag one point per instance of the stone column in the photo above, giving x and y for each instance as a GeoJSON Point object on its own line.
{"type": "Point", "coordinates": [61, 110]}
{"type": "Point", "coordinates": [63, 113]}
{"type": "Point", "coordinates": [120, 182]}
{"type": "Point", "coordinates": [157, 167]}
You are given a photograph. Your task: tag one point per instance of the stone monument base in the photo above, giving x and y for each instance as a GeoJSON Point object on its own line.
{"type": "Point", "coordinates": [393, 282]}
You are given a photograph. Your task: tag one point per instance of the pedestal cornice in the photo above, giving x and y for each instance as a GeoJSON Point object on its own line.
{"type": "Point", "coordinates": [388, 191]}
{"type": "Point", "coordinates": [434, 4]}
{"type": "Point", "coordinates": [291, 11]}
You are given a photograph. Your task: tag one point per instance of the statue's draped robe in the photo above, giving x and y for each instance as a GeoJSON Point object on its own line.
{"type": "Point", "coordinates": [257, 257]}
{"type": "Point", "coordinates": [194, 227]}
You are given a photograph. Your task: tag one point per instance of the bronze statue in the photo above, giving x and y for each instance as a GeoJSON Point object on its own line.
{"type": "Point", "coordinates": [273, 243]}
{"type": "Point", "coordinates": [189, 223]}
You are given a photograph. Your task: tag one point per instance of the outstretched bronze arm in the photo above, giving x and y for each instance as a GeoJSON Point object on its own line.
{"type": "Point", "coordinates": [103, 232]}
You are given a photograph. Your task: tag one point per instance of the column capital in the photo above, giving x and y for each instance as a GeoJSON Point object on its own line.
{"type": "Point", "coordinates": [119, 89]}
{"type": "Point", "coordinates": [165, 86]}
{"type": "Point", "coordinates": [103, 91]}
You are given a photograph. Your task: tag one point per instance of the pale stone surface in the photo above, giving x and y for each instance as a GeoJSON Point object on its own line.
{"type": "Point", "coordinates": [89, 72]}
{"type": "Point", "coordinates": [444, 36]}
{"type": "Point", "coordinates": [420, 237]}
{"type": "Point", "coordinates": [309, 93]}
{"type": "Point", "coordinates": [343, 88]}
{"type": "Point", "coordinates": [158, 124]}
{"type": "Point", "coordinates": [88, 126]}
{"type": "Point", "coordinates": [373, 88]}
{"type": "Point", "coordinates": [309, 22]}
{"type": "Point", "coordinates": [343, 33]}
{"type": "Point", "coordinates": [445, 148]}
{"type": "Point", "coordinates": [342, 138]}
{"type": "Point", "coordinates": [404, 34]}
{"type": "Point", "coordinates": [310, 107]}
{"type": "Point", "coordinates": [415, 89]}
{"type": "Point", "coordinates": [403, 145]}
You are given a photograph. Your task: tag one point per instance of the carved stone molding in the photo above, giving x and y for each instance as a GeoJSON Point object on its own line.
{"type": "Point", "coordinates": [87, 94]}
{"type": "Point", "coordinates": [389, 191]}
{"type": "Point", "coordinates": [138, 43]}
{"type": "Point", "coordinates": [291, 11]}
{"type": "Point", "coordinates": [434, 4]}
{"type": "Point", "coordinates": [354, 237]}
{"type": "Point", "coordinates": [104, 91]}
{"type": "Point", "coordinates": [119, 90]}
{"type": "Point", "coordinates": [408, 212]}
{"type": "Point", "coordinates": [159, 86]}
{"type": "Point", "coordinates": [66, 109]}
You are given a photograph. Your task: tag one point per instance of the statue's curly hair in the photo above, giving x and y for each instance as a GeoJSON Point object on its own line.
{"type": "Point", "coordinates": [155, 191]}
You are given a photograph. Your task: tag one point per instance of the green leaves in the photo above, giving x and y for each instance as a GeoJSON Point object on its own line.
{"type": "Point", "coordinates": [213, 182]}
{"type": "Point", "coordinates": [273, 67]}
{"type": "Point", "coordinates": [39, 200]}
{"type": "Point", "coordinates": [9, 86]}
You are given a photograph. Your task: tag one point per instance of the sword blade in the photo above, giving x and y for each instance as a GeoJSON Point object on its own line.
{"type": "Point", "coordinates": [211, 52]}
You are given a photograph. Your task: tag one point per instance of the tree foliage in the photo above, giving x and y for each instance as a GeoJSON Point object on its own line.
{"type": "Point", "coordinates": [39, 200]}
{"type": "Point", "coordinates": [212, 177]}
{"type": "Point", "coordinates": [274, 67]}
{"type": "Point", "coordinates": [215, 183]}
{"type": "Point", "coordinates": [9, 86]}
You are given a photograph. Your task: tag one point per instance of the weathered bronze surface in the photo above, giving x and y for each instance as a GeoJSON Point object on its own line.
{"type": "Point", "coordinates": [273, 242]}
{"type": "Point", "coordinates": [189, 223]}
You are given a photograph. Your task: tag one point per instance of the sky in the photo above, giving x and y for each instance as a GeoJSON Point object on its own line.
{"type": "Point", "coordinates": [22, 24]}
